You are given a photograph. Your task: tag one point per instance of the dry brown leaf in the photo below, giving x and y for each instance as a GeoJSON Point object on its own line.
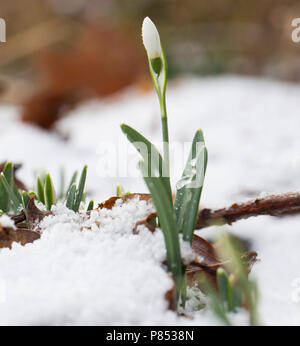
{"type": "Point", "coordinates": [143, 197]}
{"type": "Point", "coordinates": [209, 262]}
{"type": "Point", "coordinates": [33, 214]}
{"type": "Point", "coordinates": [23, 236]}
{"type": "Point", "coordinates": [19, 218]}
{"type": "Point", "coordinates": [108, 204]}
{"type": "Point", "coordinates": [170, 296]}
{"type": "Point", "coordinates": [146, 222]}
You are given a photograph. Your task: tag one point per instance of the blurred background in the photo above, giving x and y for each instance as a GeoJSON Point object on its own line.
{"type": "Point", "coordinates": [60, 52]}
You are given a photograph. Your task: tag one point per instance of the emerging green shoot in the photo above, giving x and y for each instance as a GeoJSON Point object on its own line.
{"type": "Point", "coordinates": [40, 190]}
{"type": "Point", "coordinates": [235, 290]}
{"type": "Point", "coordinates": [80, 191]}
{"type": "Point", "coordinates": [4, 194]}
{"type": "Point", "coordinates": [90, 206]}
{"type": "Point", "coordinates": [49, 192]}
{"type": "Point", "coordinates": [73, 196]}
{"type": "Point", "coordinates": [25, 199]}
{"type": "Point", "coordinates": [13, 199]}
{"type": "Point", "coordinates": [240, 287]}
{"type": "Point", "coordinates": [121, 191]}
{"type": "Point", "coordinates": [10, 196]}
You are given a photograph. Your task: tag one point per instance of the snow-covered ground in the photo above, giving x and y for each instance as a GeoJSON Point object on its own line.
{"type": "Point", "coordinates": [71, 277]}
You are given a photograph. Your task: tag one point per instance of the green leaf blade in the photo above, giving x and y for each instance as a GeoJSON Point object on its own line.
{"type": "Point", "coordinates": [49, 192]}
{"type": "Point", "coordinates": [188, 195]}
{"type": "Point", "coordinates": [80, 191]}
{"type": "Point", "coordinates": [40, 190]}
{"type": "Point", "coordinates": [151, 156]}
{"type": "Point", "coordinates": [71, 197]}
{"type": "Point", "coordinates": [72, 181]}
{"type": "Point", "coordinates": [90, 206]}
{"type": "Point", "coordinates": [223, 283]}
{"type": "Point", "coordinates": [13, 197]}
{"type": "Point", "coordinates": [4, 194]}
{"type": "Point", "coordinates": [25, 199]}
{"type": "Point", "coordinates": [168, 225]}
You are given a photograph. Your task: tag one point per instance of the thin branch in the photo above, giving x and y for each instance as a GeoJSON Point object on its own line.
{"type": "Point", "coordinates": [274, 205]}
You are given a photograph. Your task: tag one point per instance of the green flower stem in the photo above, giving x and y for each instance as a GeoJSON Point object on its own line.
{"type": "Point", "coordinates": [165, 135]}
{"type": "Point", "coordinates": [161, 92]}
{"type": "Point", "coordinates": [164, 117]}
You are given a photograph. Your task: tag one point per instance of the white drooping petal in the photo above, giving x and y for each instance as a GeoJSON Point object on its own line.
{"type": "Point", "coordinates": [151, 39]}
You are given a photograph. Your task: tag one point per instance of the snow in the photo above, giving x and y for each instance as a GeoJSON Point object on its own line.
{"type": "Point", "coordinates": [251, 131]}
{"type": "Point", "coordinates": [6, 221]}
{"type": "Point", "coordinates": [76, 275]}
{"type": "Point", "coordinates": [187, 253]}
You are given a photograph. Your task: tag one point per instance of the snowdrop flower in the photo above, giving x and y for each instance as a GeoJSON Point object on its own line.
{"type": "Point", "coordinates": [159, 71]}
{"type": "Point", "coordinates": [152, 44]}
{"type": "Point", "coordinates": [151, 39]}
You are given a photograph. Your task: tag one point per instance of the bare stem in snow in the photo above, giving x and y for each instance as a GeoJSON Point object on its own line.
{"type": "Point", "coordinates": [274, 205]}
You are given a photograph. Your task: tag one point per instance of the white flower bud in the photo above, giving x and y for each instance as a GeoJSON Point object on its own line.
{"type": "Point", "coordinates": [151, 39]}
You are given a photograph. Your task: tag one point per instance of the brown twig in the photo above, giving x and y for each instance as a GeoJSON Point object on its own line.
{"type": "Point", "coordinates": [274, 205]}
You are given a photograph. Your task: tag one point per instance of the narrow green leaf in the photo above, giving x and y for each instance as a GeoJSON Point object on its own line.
{"type": "Point", "coordinates": [49, 192]}
{"type": "Point", "coordinates": [61, 183]}
{"type": "Point", "coordinates": [40, 190]}
{"type": "Point", "coordinates": [4, 195]}
{"type": "Point", "coordinates": [71, 197]}
{"type": "Point", "coordinates": [14, 196]}
{"type": "Point", "coordinates": [229, 247]}
{"type": "Point", "coordinates": [80, 191]}
{"type": "Point", "coordinates": [8, 171]}
{"type": "Point", "coordinates": [25, 199]}
{"type": "Point", "coordinates": [168, 224]}
{"type": "Point", "coordinates": [4, 198]}
{"type": "Point", "coordinates": [152, 158]}
{"type": "Point", "coordinates": [234, 294]}
{"type": "Point", "coordinates": [189, 188]}
{"type": "Point", "coordinates": [11, 193]}
{"type": "Point", "coordinates": [222, 280]}
{"type": "Point", "coordinates": [72, 181]}
{"type": "Point", "coordinates": [17, 192]}
{"type": "Point", "coordinates": [217, 304]}
{"type": "Point", "coordinates": [119, 190]}
{"type": "Point", "coordinates": [90, 206]}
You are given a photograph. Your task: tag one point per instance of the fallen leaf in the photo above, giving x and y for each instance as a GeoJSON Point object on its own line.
{"type": "Point", "coordinates": [146, 222]}
{"type": "Point", "coordinates": [108, 204]}
{"type": "Point", "coordinates": [33, 214]}
{"type": "Point", "coordinates": [208, 261]}
{"type": "Point", "coordinates": [23, 236]}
